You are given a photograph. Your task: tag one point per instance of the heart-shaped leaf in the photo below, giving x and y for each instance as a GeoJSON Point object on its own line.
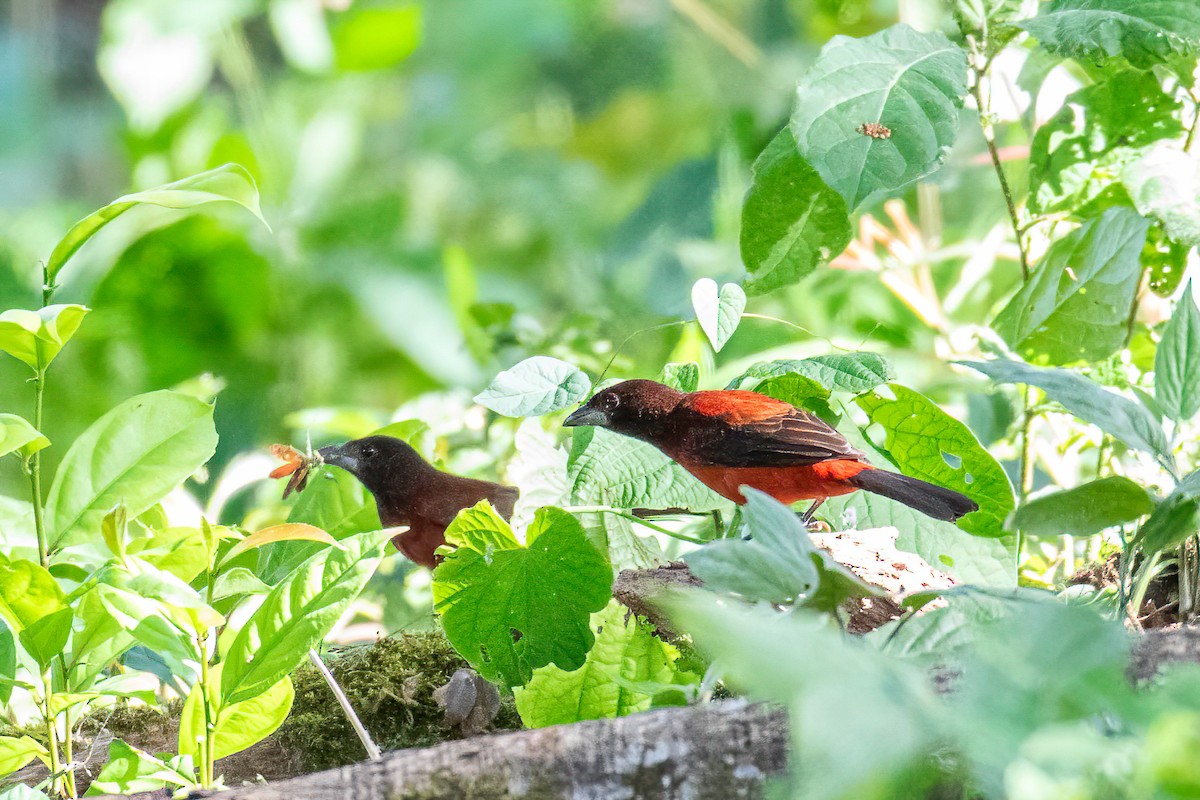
{"type": "Point", "coordinates": [718, 314]}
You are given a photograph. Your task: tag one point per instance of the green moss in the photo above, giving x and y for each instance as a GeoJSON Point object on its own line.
{"type": "Point", "coordinates": [390, 684]}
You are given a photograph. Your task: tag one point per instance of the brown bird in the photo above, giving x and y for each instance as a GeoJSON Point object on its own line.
{"type": "Point", "coordinates": [729, 439]}
{"type": "Point", "coordinates": [408, 491]}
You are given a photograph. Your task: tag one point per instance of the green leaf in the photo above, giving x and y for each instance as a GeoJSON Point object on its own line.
{"type": "Point", "coordinates": [16, 752]}
{"type": "Point", "coordinates": [1145, 32]}
{"type": "Point", "coordinates": [1084, 510]}
{"type": "Point", "coordinates": [18, 436]}
{"type": "Point", "coordinates": [21, 792]}
{"type": "Point", "coordinates": [1112, 413]}
{"type": "Point", "coordinates": [136, 453]}
{"type": "Point", "coordinates": [927, 443]}
{"type": "Point", "coordinates": [1164, 184]}
{"type": "Point", "coordinates": [482, 529]}
{"type": "Point", "coordinates": [130, 770]}
{"type": "Point", "coordinates": [509, 611]}
{"type": "Point", "coordinates": [99, 641]}
{"type": "Point", "coordinates": [230, 182]}
{"type": "Point", "coordinates": [535, 386]}
{"type": "Point", "coordinates": [297, 615]}
{"type": "Point", "coordinates": [786, 379]}
{"type": "Point", "coordinates": [1176, 517]}
{"type": "Point", "coordinates": [46, 638]}
{"type": "Point", "coordinates": [684, 377]}
{"type": "Point", "coordinates": [8, 660]}
{"type": "Point", "coordinates": [113, 528]}
{"type": "Point", "coordinates": [238, 726]}
{"type": "Point", "coordinates": [718, 314]}
{"type": "Point", "coordinates": [238, 581]}
{"type": "Point", "coordinates": [181, 551]}
{"type": "Point", "coordinates": [625, 651]}
{"type": "Point", "coordinates": [792, 222]}
{"type": "Point", "coordinates": [36, 337]}
{"type": "Point", "coordinates": [375, 37]}
{"type": "Point", "coordinates": [991, 22]}
{"type": "Point", "coordinates": [33, 604]}
{"type": "Point", "coordinates": [1075, 306]}
{"type": "Point", "coordinates": [912, 83]}
{"type": "Point", "coordinates": [779, 564]}
{"type": "Point", "coordinates": [1177, 361]}
{"type": "Point", "coordinates": [1079, 158]}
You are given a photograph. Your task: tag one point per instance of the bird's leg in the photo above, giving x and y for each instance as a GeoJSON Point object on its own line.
{"type": "Point", "coordinates": [807, 517]}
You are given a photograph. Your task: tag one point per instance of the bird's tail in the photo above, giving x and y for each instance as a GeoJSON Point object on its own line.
{"type": "Point", "coordinates": [928, 498]}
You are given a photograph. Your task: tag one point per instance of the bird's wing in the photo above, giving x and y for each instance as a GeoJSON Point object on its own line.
{"type": "Point", "coordinates": [441, 501]}
{"type": "Point", "coordinates": [745, 429]}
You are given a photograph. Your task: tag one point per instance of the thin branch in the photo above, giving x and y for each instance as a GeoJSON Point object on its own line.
{"type": "Point", "coordinates": [347, 709]}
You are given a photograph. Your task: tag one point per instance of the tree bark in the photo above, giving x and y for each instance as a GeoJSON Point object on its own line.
{"type": "Point", "coordinates": [719, 751]}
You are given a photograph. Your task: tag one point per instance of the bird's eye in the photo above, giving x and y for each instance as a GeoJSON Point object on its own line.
{"type": "Point", "coordinates": [611, 401]}
{"type": "Point", "coordinates": [369, 452]}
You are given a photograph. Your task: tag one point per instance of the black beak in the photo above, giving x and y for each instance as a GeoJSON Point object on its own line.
{"type": "Point", "coordinates": [334, 456]}
{"type": "Point", "coordinates": [586, 416]}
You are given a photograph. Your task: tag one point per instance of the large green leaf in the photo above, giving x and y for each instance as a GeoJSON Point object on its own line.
{"type": "Point", "coordinates": [36, 337]}
{"type": "Point", "coordinates": [230, 182]}
{"type": "Point", "coordinates": [1077, 157]}
{"type": "Point", "coordinates": [18, 436]}
{"type": "Point", "coordinates": [509, 609]}
{"type": "Point", "coordinates": [792, 222]}
{"type": "Point", "coordinates": [718, 312]}
{"type": "Point", "coordinates": [16, 752]}
{"type": "Point", "coordinates": [1075, 306]}
{"type": "Point", "coordinates": [1177, 361]}
{"type": "Point", "coordinates": [838, 372]}
{"type": "Point", "coordinates": [136, 453]}
{"type": "Point", "coordinates": [297, 615]}
{"type": "Point", "coordinates": [28, 593]}
{"type": "Point", "coordinates": [1176, 517]}
{"type": "Point", "coordinates": [911, 83]}
{"type": "Point", "coordinates": [130, 770]}
{"type": "Point", "coordinates": [625, 652]}
{"type": "Point", "coordinates": [1084, 510]}
{"type": "Point", "coordinates": [98, 640]}
{"type": "Point", "coordinates": [1114, 414]}
{"type": "Point", "coordinates": [535, 386]}
{"type": "Point", "coordinates": [1164, 184]}
{"type": "Point", "coordinates": [238, 725]}
{"type": "Point", "coordinates": [1145, 32]}
{"type": "Point", "coordinates": [779, 564]}
{"type": "Point", "coordinates": [927, 443]}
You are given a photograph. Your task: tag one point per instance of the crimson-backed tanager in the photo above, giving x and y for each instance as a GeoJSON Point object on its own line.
{"type": "Point", "coordinates": [408, 491]}
{"type": "Point", "coordinates": [729, 439]}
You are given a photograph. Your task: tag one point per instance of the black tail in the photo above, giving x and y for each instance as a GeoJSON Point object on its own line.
{"type": "Point", "coordinates": [928, 498]}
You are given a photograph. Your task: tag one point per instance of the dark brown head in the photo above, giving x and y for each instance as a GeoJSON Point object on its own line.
{"type": "Point", "coordinates": [384, 464]}
{"type": "Point", "coordinates": [634, 408]}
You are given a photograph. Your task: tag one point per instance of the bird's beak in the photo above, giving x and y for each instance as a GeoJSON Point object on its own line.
{"type": "Point", "coordinates": [333, 455]}
{"type": "Point", "coordinates": [586, 416]}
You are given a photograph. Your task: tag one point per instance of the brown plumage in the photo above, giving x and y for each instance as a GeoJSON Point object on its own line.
{"type": "Point", "coordinates": [729, 439]}
{"type": "Point", "coordinates": [408, 491]}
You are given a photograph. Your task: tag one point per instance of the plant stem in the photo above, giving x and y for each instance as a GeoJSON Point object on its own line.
{"type": "Point", "coordinates": [69, 755]}
{"type": "Point", "coordinates": [989, 137]}
{"type": "Point", "coordinates": [683, 537]}
{"type": "Point", "coordinates": [51, 729]}
{"type": "Point", "coordinates": [1028, 458]}
{"type": "Point", "coordinates": [35, 473]}
{"type": "Point", "coordinates": [207, 763]}
{"type": "Point", "coordinates": [1145, 574]}
{"type": "Point", "coordinates": [363, 736]}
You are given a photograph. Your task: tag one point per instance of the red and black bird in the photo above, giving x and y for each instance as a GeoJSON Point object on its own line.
{"type": "Point", "coordinates": [409, 491]}
{"type": "Point", "coordinates": [731, 438]}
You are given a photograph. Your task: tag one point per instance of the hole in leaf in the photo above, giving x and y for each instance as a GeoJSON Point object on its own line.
{"type": "Point", "coordinates": [483, 653]}
{"type": "Point", "coordinates": [516, 635]}
{"type": "Point", "coordinates": [969, 478]}
{"type": "Point", "coordinates": [954, 461]}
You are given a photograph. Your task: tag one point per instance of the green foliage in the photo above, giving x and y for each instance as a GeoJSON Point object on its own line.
{"type": "Point", "coordinates": [927, 443]}
{"type": "Point", "coordinates": [131, 770]}
{"type": "Point", "coordinates": [510, 608]}
{"type": "Point", "coordinates": [1117, 416]}
{"type": "Point", "coordinates": [18, 436]}
{"type": "Point", "coordinates": [625, 666]}
{"type": "Point", "coordinates": [1177, 361]}
{"type": "Point", "coordinates": [36, 337]}
{"type": "Point", "coordinates": [792, 222]}
{"type": "Point", "coordinates": [779, 564]}
{"type": "Point", "coordinates": [1084, 510]}
{"type": "Point", "coordinates": [134, 454]}
{"type": "Point", "coordinates": [536, 386]}
{"type": "Point", "coordinates": [912, 83]}
{"type": "Point", "coordinates": [1145, 33]}
{"type": "Point", "coordinates": [1162, 185]}
{"type": "Point", "coordinates": [1076, 304]}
